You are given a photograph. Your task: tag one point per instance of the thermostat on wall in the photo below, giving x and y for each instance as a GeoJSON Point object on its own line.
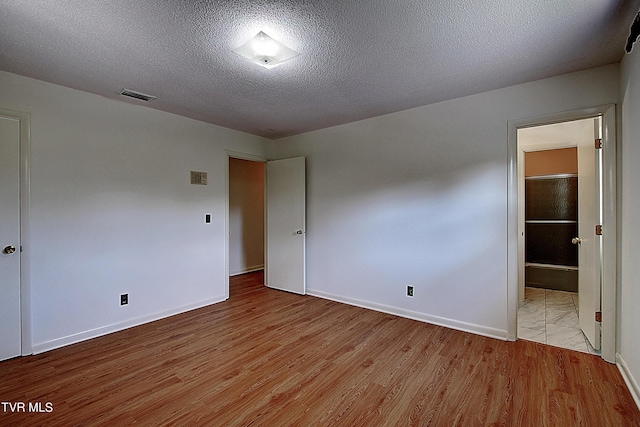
{"type": "Point", "coordinates": [198, 178]}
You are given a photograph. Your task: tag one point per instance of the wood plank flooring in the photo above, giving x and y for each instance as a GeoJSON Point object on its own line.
{"type": "Point", "coordinates": [270, 358]}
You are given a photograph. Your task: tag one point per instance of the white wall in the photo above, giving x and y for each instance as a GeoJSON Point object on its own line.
{"type": "Point", "coordinates": [629, 315]}
{"type": "Point", "coordinates": [419, 198]}
{"type": "Point", "coordinates": [416, 197]}
{"type": "Point", "coordinates": [246, 216]}
{"type": "Point", "coordinates": [113, 211]}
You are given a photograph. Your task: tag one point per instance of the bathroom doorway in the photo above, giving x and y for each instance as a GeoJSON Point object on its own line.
{"type": "Point", "coordinates": [560, 193]}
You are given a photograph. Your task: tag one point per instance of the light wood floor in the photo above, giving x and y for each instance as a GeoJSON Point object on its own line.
{"type": "Point", "coordinates": [270, 358]}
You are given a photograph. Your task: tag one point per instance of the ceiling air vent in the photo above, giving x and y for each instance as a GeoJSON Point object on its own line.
{"type": "Point", "coordinates": [137, 95]}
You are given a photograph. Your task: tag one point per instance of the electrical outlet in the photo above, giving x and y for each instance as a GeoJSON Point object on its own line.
{"type": "Point", "coordinates": [409, 291]}
{"type": "Point", "coordinates": [124, 299]}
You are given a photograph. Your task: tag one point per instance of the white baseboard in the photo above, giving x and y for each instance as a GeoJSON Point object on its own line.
{"type": "Point", "coordinates": [427, 318]}
{"type": "Point", "coordinates": [104, 330]}
{"type": "Point", "coordinates": [628, 379]}
{"type": "Point", "coordinates": [248, 270]}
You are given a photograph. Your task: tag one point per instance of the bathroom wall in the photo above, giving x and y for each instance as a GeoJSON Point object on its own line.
{"type": "Point", "coordinates": [551, 215]}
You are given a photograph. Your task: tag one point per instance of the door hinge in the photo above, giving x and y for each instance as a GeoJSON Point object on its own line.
{"type": "Point", "coordinates": [599, 316]}
{"type": "Point", "coordinates": [598, 230]}
{"type": "Point", "coordinates": [598, 143]}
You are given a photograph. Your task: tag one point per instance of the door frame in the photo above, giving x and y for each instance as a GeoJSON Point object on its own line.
{"type": "Point", "coordinates": [609, 284]}
{"type": "Point", "coordinates": [25, 247]}
{"type": "Point", "coordinates": [227, 233]}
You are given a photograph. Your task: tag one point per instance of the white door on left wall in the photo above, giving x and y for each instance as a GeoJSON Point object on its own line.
{"type": "Point", "coordinates": [10, 332]}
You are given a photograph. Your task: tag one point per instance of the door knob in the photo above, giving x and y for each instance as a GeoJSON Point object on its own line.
{"type": "Point", "coordinates": [299, 232]}
{"type": "Point", "coordinates": [576, 240]}
{"type": "Point", "coordinates": [8, 250]}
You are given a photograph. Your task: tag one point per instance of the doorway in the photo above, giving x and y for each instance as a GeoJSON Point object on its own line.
{"type": "Point", "coordinates": [602, 299]}
{"type": "Point", "coordinates": [549, 311]}
{"type": "Point", "coordinates": [284, 249]}
{"type": "Point", "coordinates": [246, 219]}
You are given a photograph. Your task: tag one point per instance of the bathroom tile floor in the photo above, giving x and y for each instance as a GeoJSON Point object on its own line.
{"type": "Point", "coordinates": [551, 317]}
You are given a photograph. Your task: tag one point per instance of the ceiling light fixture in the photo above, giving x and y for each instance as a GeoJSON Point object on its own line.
{"type": "Point", "coordinates": [265, 51]}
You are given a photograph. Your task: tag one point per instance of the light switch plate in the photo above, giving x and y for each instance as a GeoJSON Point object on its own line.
{"type": "Point", "coordinates": [198, 178]}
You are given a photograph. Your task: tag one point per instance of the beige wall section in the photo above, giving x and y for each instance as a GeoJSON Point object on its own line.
{"type": "Point", "coordinates": [246, 216]}
{"type": "Point", "coordinates": [551, 162]}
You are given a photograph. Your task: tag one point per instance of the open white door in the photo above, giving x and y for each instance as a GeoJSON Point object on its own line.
{"type": "Point", "coordinates": [10, 332]}
{"type": "Point", "coordinates": [589, 262]}
{"type": "Point", "coordinates": [285, 225]}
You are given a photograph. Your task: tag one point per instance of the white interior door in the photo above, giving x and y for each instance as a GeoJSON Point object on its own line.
{"type": "Point", "coordinates": [589, 262]}
{"type": "Point", "coordinates": [10, 332]}
{"type": "Point", "coordinates": [285, 225]}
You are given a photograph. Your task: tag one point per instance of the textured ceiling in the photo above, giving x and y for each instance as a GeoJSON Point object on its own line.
{"type": "Point", "coordinates": [358, 59]}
